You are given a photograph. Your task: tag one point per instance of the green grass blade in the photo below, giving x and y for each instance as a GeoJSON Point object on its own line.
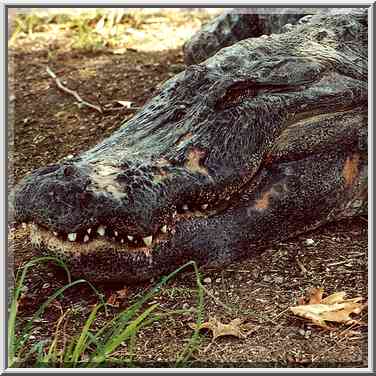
{"type": "Point", "coordinates": [27, 330]}
{"type": "Point", "coordinates": [82, 340]}
{"type": "Point", "coordinates": [118, 323]}
{"type": "Point", "coordinates": [37, 348]}
{"type": "Point", "coordinates": [132, 310]}
{"type": "Point", "coordinates": [123, 327]}
{"type": "Point", "coordinates": [187, 352]}
{"type": "Point", "coordinates": [51, 356]}
{"type": "Point", "coordinates": [115, 341]}
{"type": "Point", "coordinates": [13, 346]}
{"type": "Point", "coordinates": [67, 356]}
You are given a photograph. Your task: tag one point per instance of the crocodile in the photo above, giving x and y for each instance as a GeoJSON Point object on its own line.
{"type": "Point", "coordinates": [242, 23]}
{"type": "Point", "coordinates": [263, 141]}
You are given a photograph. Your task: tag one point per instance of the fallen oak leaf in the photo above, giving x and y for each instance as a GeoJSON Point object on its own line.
{"type": "Point", "coordinates": [337, 297]}
{"type": "Point", "coordinates": [320, 313]}
{"type": "Point", "coordinates": [342, 313]}
{"type": "Point", "coordinates": [333, 308]}
{"type": "Point", "coordinates": [220, 330]}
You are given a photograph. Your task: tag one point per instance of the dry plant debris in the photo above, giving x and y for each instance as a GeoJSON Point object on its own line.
{"type": "Point", "coordinates": [333, 308]}
{"type": "Point", "coordinates": [118, 297]}
{"type": "Point", "coordinates": [126, 104]}
{"type": "Point", "coordinates": [72, 92]}
{"type": "Point", "coordinates": [220, 330]}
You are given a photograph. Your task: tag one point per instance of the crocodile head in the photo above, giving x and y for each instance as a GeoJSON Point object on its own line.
{"type": "Point", "coordinates": [177, 181]}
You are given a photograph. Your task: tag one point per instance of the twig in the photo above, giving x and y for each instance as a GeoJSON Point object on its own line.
{"type": "Point", "coordinates": [207, 347]}
{"type": "Point", "coordinates": [71, 92]}
{"type": "Point", "coordinates": [279, 315]}
{"type": "Point", "coordinates": [337, 263]}
{"type": "Point", "coordinates": [279, 326]}
{"type": "Point", "coordinates": [301, 266]}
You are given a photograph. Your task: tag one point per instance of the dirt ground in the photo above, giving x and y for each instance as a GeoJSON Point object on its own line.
{"type": "Point", "coordinates": [46, 125]}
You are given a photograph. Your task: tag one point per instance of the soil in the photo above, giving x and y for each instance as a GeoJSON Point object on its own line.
{"type": "Point", "coordinates": [46, 125]}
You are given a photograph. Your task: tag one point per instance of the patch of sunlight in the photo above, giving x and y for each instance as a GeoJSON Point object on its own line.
{"type": "Point", "coordinates": [108, 29]}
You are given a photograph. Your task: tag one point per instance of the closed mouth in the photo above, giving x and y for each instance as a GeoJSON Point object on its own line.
{"type": "Point", "coordinates": [102, 236]}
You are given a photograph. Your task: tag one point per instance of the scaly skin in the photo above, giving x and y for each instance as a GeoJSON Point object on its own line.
{"type": "Point", "coordinates": [265, 140]}
{"type": "Point", "coordinates": [241, 23]}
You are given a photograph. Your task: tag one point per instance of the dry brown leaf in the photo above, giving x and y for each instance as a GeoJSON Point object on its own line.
{"type": "Point", "coordinates": [316, 295]}
{"type": "Point", "coordinates": [220, 330]}
{"type": "Point", "coordinates": [337, 297]}
{"type": "Point", "coordinates": [123, 293]}
{"type": "Point", "coordinates": [117, 297]}
{"type": "Point", "coordinates": [334, 308]}
{"type": "Point", "coordinates": [112, 300]}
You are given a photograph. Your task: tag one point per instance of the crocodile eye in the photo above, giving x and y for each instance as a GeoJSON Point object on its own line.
{"type": "Point", "coordinates": [236, 93]}
{"type": "Point", "coordinates": [69, 171]}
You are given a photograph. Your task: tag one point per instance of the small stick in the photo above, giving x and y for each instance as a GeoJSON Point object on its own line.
{"type": "Point", "coordinates": [71, 92]}
{"type": "Point", "coordinates": [301, 266]}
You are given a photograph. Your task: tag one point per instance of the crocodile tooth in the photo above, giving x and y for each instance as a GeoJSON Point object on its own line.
{"type": "Point", "coordinates": [130, 237]}
{"type": "Point", "coordinates": [55, 233]}
{"type": "Point", "coordinates": [185, 207]}
{"type": "Point", "coordinates": [116, 233]}
{"type": "Point", "coordinates": [101, 230]}
{"type": "Point", "coordinates": [121, 240]}
{"type": "Point", "coordinates": [89, 230]}
{"type": "Point", "coordinates": [164, 229]}
{"type": "Point", "coordinates": [204, 206]}
{"type": "Point", "coordinates": [148, 240]}
{"type": "Point", "coordinates": [72, 236]}
{"type": "Point", "coordinates": [86, 238]}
